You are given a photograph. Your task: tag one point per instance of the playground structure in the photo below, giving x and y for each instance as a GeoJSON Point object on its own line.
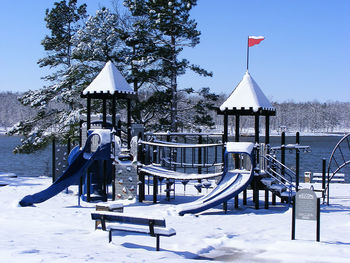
{"type": "Point", "coordinates": [102, 160]}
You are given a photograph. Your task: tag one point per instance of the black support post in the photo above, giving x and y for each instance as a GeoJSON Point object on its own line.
{"type": "Point", "coordinates": [114, 120]}
{"type": "Point", "coordinates": [225, 206]}
{"type": "Point", "coordinates": [104, 113]}
{"type": "Point", "coordinates": [155, 189]}
{"type": "Point", "coordinates": [283, 151]}
{"type": "Point", "coordinates": [267, 130]}
{"type": "Point", "coordinates": [53, 160]}
{"type": "Point", "coordinates": [318, 221]}
{"type": "Point", "coordinates": [323, 174]}
{"type": "Point", "coordinates": [225, 127]}
{"type": "Point", "coordinates": [200, 141]}
{"type": "Point", "coordinates": [237, 161]}
{"type": "Point", "coordinates": [293, 222]}
{"type": "Point", "coordinates": [88, 186]}
{"type": "Point", "coordinates": [105, 191]}
{"type": "Point", "coordinates": [257, 128]}
{"type": "Point", "coordinates": [129, 122]}
{"type": "Point", "coordinates": [297, 161]}
{"type": "Point", "coordinates": [245, 197]}
{"type": "Point", "coordinates": [237, 124]}
{"type": "Point", "coordinates": [142, 187]}
{"type": "Point", "coordinates": [88, 117]}
{"type": "Point", "coordinates": [266, 199]}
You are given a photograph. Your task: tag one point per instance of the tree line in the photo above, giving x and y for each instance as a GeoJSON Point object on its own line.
{"type": "Point", "coordinates": [311, 117]}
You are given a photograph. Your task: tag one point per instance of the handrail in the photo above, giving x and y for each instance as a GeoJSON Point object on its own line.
{"type": "Point", "coordinates": [179, 145]}
{"type": "Point", "coordinates": [282, 165]}
{"type": "Point", "coordinates": [205, 165]}
{"type": "Point", "coordinates": [287, 182]}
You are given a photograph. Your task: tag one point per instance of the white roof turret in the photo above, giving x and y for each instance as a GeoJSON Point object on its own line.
{"type": "Point", "coordinates": [247, 95]}
{"type": "Point", "coordinates": [109, 81]}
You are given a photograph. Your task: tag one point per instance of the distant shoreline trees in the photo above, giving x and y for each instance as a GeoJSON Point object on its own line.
{"type": "Point", "coordinates": [308, 117]}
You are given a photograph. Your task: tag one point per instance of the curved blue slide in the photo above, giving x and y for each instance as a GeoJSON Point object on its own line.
{"type": "Point", "coordinates": [231, 184]}
{"type": "Point", "coordinates": [76, 169]}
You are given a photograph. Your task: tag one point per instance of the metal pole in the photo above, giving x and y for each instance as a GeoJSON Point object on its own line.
{"type": "Point", "coordinates": [318, 227]}
{"type": "Point", "coordinates": [283, 152]}
{"type": "Point", "coordinates": [323, 175]}
{"type": "Point", "coordinates": [293, 222]}
{"type": "Point", "coordinates": [200, 141]}
{"type": "Point", "coordinates": [297, 161]}
{"type": "Point", "coordinates": [267, 129]}
{"type": "Point", "coordinates": [225, 126]}
{"type": "Point", "coordinates": [247, 53]}
{"type": "Point", "coordinates": [88, 117]}
{"type": "Point", "coordinates": [114, 121]}
{"type": "Point", "coordinates": [266, 199]}
{"type": "Point", "coordinates": [104, 113]}
{"type": "Point", "coordinates": [257, 124]}
{"type": "Point", "coordinates": [129, 123]}
{"type": "Point", "coordinates": [155, 189]}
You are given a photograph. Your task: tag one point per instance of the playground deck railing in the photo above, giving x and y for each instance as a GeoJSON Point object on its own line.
{"type": "Point", "coordinates": [281, 173]}
{"type": "Point", "coordinates": [183, 156]}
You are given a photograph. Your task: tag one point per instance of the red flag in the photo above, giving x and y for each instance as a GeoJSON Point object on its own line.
{"type": "Point", "coordinates": [252, 40]}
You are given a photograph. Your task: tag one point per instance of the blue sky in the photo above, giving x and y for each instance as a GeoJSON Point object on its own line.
{"type": "Point", "coordinates": [305, 55]}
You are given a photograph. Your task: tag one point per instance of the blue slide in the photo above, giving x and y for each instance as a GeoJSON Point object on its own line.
{"type": "Point", "coordinates": [80, 161]}
{"type": "Point", "coordinates": [231, 184]}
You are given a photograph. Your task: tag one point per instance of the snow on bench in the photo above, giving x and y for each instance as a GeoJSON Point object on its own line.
{"type": "Point", "coordinates": [153, 226]}
{"type": "Point", "coordinates": [337, 178]}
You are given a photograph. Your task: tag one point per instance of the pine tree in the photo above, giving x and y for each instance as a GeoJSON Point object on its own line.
{"type": "Point", "coordinates": [58, 105]}
{"type": "Point", "coordinates": [170, 29]}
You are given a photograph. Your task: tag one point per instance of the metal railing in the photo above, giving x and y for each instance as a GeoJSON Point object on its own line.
{"type": "Point", "coordinates": [281, 173]}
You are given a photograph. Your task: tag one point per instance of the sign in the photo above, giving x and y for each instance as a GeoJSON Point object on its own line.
{"type": "Point", "coordinates": [306, 205]}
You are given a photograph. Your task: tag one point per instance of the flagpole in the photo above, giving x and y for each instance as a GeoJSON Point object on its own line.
{"type": "Point", "coordinates": [247, 53]}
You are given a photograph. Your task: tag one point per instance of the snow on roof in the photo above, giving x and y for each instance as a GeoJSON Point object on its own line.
{"type": "Point", "coordinates": [240, 147]}
{"type": "Point", "coordinates": [247, 95]}
{"type": "Point", "coordinates": [109, 80]}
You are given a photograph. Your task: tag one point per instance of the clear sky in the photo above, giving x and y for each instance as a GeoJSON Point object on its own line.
{"type": "Point", "coordinates": [305, 55]}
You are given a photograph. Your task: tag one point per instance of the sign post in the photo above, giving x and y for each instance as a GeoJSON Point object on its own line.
{"type": "Point", "coordinates": [306, 207]}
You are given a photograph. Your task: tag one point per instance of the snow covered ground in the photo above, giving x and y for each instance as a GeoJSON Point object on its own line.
{"type": "Point", "coordinates": [61, 231]}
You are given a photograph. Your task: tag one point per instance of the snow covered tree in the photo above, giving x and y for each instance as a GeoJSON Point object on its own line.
{"type": "Point", "coordinates": [170, 29]}
{"type": "Point", "coordinates": [58, 105]}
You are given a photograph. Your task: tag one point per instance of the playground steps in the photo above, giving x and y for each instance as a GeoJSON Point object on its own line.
{"type": "Point", "coordinates": [277, 188]}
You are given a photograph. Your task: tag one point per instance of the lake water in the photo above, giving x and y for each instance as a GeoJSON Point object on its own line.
{"type": "Point", "coordinates": [39, 163]}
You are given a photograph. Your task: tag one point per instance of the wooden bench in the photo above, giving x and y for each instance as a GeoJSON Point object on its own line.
{"type": "Point", "coordinates": [337, 178]}
{"type": "Point", "coordinates": [152, 226]}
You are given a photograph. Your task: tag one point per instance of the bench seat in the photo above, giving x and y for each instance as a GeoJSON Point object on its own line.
{"type": "Point", "coordinates": [152, 226]}
{"type": "Point", "coordinates": [161, 231]}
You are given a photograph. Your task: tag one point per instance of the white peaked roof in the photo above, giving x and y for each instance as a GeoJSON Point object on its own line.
{"type": "Point", "coordinates": [109, 80]}
{"type": "Point", "coordinates": [247, 95]}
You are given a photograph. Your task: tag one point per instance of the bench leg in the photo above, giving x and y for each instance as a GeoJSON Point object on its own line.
{"type": "Point", "coordinates": [110, 236]}
{"type": "Point", "coordinates": [158, 241]}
